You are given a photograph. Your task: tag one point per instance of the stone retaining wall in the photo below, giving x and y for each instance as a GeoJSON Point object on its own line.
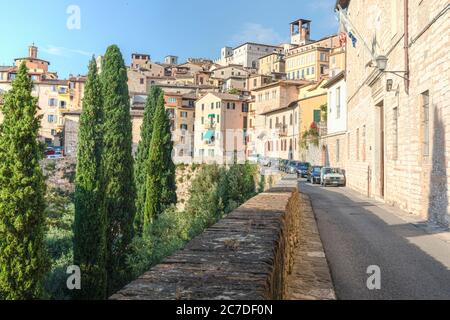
{"type": "Point", "coordinates": [247, 255]}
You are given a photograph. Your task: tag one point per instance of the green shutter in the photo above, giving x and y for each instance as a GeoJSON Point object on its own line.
{"type": "Point", "coordinates": [317, 116]}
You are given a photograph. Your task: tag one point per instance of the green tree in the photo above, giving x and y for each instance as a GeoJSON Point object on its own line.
{"type": "Point", "coordinates": [117, 166]}
{"type": "Point", "coordinates": [90, 216]}
{"type": "Point", "coordinates": [161, 185]}
{"type": "Point", "coordinates": [23, 257]}
{"type": "Point", "coordinates": [143, 152]}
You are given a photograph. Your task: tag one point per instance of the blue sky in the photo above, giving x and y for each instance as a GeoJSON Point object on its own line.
{"type": "Point", "coordinates": [187, 28]}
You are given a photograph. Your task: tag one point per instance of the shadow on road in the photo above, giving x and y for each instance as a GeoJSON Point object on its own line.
{"type": "Point", "coordinates": [357, 234]}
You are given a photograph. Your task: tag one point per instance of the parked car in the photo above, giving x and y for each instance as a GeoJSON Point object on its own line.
{"type": "Point", "coordinates": [332, 176]}
{"type": "Point", "coordinates": [314, 174]}
{"type": "Point", "coordinates": [304, 169]}
{"type": "Point", "coordinates": [57, 155]}
{"type": "Point", "coordinates": [265, 162]}
{"type": "Point", "coordinates": [283, 165]}
{"type": "Point", "coordinates": [292, 167]}
{"type": "Point", "coordinates": [49, 151]}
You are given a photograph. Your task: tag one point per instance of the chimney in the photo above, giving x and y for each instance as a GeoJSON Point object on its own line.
{"type": "Point", "coordinates": [32, 51]}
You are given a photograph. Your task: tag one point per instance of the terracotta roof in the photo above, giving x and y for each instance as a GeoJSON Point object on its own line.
{"type": "Point", "coordinates": [257, 44]}
{"type": "Point", "coordinates": [343, 3]}
{"type": "Point", "coordinates": [227, 96]}
{"type": "Point", "coordinates": [35, 59]}
{"type": "Point", "coordinates": [284, 82]}
{"type": "Point", "coordinates": [335, 79]}
{"type": "Point", "coordinates": [292, 104]}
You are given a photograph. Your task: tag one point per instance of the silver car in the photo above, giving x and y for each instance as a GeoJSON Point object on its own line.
{"type": "Point", "coordinates": [332, 177]}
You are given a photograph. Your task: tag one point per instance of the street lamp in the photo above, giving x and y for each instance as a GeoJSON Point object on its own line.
{"type": "Point", "coordinates": [381, 63]}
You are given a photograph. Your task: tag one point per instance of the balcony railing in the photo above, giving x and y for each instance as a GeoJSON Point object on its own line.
{"type": "Point", "coordinates": [210, 125]}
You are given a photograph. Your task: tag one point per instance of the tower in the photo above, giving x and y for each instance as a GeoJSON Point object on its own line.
{"type": "Point", "coordinates": [32, 51]}
{"type": "Point", "coordinates": [300, 32]}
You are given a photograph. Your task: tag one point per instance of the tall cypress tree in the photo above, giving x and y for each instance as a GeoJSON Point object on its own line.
{"type": "Point", "coordinates": [23, 258]}
{"type": "Point", "coordinates": [117, 166]}
{"type": "Point", "coordinates": [141, 165]}
{"type": "Point", "coordinates": [90, 216]}
{"type": "Point", "coordinates": [161, 185]}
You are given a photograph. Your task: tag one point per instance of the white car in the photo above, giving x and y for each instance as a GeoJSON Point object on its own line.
{"type": "Point", "coordinates": [332, 177]}
{"type": "Point", "coordinates": [57, 155]}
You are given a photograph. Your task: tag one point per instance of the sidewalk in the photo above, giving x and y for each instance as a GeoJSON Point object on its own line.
{"type": "Point", "coordinates": [437, 231]}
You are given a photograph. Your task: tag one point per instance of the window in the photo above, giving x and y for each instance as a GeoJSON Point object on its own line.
{"type": "Point", "coordinates": [218, 118]}
{"type": "Point", "coordinates": [426, 123]}
{"type": "Point", "coordinates": [184, 114]}
{"type": "Point", "coordinates": [51, 118]}
{"type": "Point", "coordinates": [364, 143]}
{"type": "Point", "coordinates": [203, 106]}
{"type": "Point", "coordinates": [233, 106]}
{"type": "Point", "coordinates": [62, 104]}
{"type": "Point", "coordinates": [313, 70]}
{"type": "Point", "coordinates": [142, 80]}
{"type": "Point", "coordinates": [348, 146]}
{"type": "Point", "coordinates": [323, 57]}
{"type": "Point", "coordinates": [337, 150]}
{"type": "Point", "coordinates": [357, 144]}
{"type": "Point", "coordinates": [52, 102]}
{"type": "Point", "coordinates": [338, 103]}
{"type": "Point", "coordinates": [255, 83]}
{"type": "Point", "coordinates": [395, 133]}
{"type": "Point", "coordinates": [203, 120]}
{"type": "Point", "coordinates": [228, 105]}
{"type": "Point", "coordinates": [244, 107]}
{"type": "Point", "coordinates": [217, 105]}
{"type": "Point", "coordinates": [212, 105]}
{"type": "Point", "coordinates": [291, 120]}
{"type": "Point", "coordinates": [270, 125]}
{"type": "Point", "coordinates": [183, 126]}
{"type": "Point", "coordinates": [211, 152]}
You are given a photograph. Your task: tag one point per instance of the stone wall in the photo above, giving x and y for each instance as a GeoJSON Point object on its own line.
{"type": "Point", "coordinates": [392, 155]}
{"type": "Point", "coordinates": [247, 255]}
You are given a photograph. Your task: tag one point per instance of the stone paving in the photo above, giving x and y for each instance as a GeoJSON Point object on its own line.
{"type": "Point", "coordinates": [310, 278]}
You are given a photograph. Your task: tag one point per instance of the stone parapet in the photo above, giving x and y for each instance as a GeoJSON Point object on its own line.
{"type": "Point", "coordinates": [245, 256]}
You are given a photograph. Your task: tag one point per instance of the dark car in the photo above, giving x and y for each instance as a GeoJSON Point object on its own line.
{"type": "Point", "coordinates": [283, 165]}
{"type": "Point", "coordinates": [314, 174]}
{"type": "Point", "coordinates": [303, 169]}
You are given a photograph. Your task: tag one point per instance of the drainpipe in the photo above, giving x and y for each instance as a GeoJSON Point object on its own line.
{"type": "Point", "coordinates": [406, 44]}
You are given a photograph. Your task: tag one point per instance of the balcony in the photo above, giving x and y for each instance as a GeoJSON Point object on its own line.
{"type": "Point", "coordinates": [210, 126]}
{"type": "Point", "coordinates": [282, 130]}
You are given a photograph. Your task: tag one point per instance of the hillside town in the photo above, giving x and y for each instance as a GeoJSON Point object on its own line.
{"type": "Point", "coordinates": [369, 102]}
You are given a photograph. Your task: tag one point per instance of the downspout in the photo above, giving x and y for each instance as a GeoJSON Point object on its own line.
{"type": "Point", "coordinates": [406, 44]}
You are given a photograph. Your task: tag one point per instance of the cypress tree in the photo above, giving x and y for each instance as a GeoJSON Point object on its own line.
{"type": "Point", "coordinates": [117, 166]}
{"type": "Point", "coordinates": [23, 258]}
{"type": "Point", "coordinates": [90, 216]}
{"type": "Point", "coordinates": [143, 152]}
{"type": "Point", "coordinates": [161, 185]}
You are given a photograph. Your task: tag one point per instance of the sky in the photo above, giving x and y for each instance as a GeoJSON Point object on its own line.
{"type": "Point", "coordinates": [185, 28]}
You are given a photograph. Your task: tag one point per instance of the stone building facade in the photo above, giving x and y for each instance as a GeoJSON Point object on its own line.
{"type": "Point", "coordinates": [398, 129]}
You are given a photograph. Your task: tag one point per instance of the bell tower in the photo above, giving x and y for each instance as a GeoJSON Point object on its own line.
{"type": "Point", "coordinates": [300, 32]}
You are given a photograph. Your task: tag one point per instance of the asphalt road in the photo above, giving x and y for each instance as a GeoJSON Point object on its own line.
{"type": "Point", "coordinates": [358, 233]}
